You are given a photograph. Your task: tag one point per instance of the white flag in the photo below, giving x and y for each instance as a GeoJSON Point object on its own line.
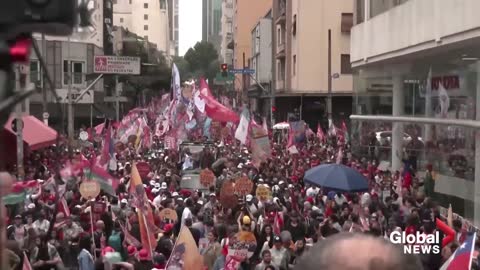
{"type": "Point", "coordinates": [242, 130]}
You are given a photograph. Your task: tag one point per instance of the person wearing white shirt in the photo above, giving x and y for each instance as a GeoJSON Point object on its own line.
{"type": "Point", "coordinates": [340, 199]}
{"type": "Point", "coordinates": [41, 225]}
{"type": "Point", "coordinates": [187, 213]}
{"type": "Point", "coordinates": [312, 191]}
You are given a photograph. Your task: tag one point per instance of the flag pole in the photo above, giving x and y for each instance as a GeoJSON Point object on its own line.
{"type": "Point", "coordinates": [148, 234]}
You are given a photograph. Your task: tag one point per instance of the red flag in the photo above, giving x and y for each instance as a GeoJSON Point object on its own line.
{"type": "Point", "coordinates": [277, 223]}
{"type": "Point", "coordinates": [215, 110]}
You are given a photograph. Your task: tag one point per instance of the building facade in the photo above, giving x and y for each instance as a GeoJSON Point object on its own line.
{"type": "Point", "coordinates": [212, 22]}
{"type": "Point", "coordinates": [259, 91]}
{"type": "Point", "coordinates": [246, 14]}
{"type": "Point", "coordinates": [72, 58]}
{"type": "Point", "coordinates": [300, 66]}
{"type": "Point", "coordinates": [148, 19]}
{"type": "Point", "coordinates": [173, 24]}
{"type": "Point", "coordinates": [418, 61]}
{"type": "Point", "coordinates": [226, 45]}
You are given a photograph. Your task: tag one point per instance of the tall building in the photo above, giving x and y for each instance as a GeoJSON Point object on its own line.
{"type": "Point", "coordinates": [173, 20]}
{"type": "Point", "coordinates": [259, 91]}
{"type": "Point", "coordinates": [418, 60]}
{"type": "Point", "coordinates": [212, 22]}
{"type": "Point", "coordinates": [246, 14]}
{"type": "Point", "coordinates": [148, 19]}
{"type": "Point", "coordinates": [300, 59]}
{"type": "Point", "coordinates": [226, 45]}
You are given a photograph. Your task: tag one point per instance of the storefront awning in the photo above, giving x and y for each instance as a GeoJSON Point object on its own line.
{"type": "Point", "coordinates": [36, 134]}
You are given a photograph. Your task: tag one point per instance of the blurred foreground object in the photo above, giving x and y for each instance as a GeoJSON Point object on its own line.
{"type": "Point", "coordinates": [6, 181]}
{"type": "Point", "coordinates": [51, 17]}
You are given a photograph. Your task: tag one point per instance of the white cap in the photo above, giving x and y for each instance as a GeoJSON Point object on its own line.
{"type": "Point", "coordinates": [260, 180]}
{"type": "Point", "coordinates": [240, 165]}
{"type": "Point", "coordinates": [175, 194]}
{"type": "Point", "coordinates": [31, 206]}
{"type": "Point", "coordinates": [164, 185]}
{"type": "Point", "coordinates": [157, 185]}
{"type": "Point", "coordinates": [200, 202]}
{"type": "Point", "coordinates": [152, 182]}
{"type": "Point", "coordinates": [290, 186]}
{"type": "Point", "coordinates": [155, 190]}
{"type": "Point", "coordinates": [249, 198]}
{"type": "Point", "coordinates": [169, 173]}
{"type": "Point", "coordinates": [124, 201]}
{"type": "Point", "coordinates": [281, 182]}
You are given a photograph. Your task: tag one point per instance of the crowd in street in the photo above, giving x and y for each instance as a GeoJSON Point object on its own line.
{"type": "Point", "coordinates": [286, 226]}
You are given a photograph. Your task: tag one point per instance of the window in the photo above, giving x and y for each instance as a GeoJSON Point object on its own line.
{"type": "Point", "coordinates": [294, 25]}
{"type": "Point", "coordinates": [163, 4]}
{"type": "Point", "coordinates": [145, 37]}
{"type": "Point", "coordinates": [130, 2]}
{"type": "Point", "coordinates": [347, 22]}
{"type": "Point", "coordinates": [35, 74]}
{"type": "Point", "coordinates": [121, 20]}
{"type": "Point", "coordinates": [145, 27]}
{"type": "Point", "coordinates": [145, 16]}
{"type": "Point", "coordinates": [145, 5]}
{"type": "Point", "coordinates": [279, 34]}
{"type": "Point", "coordinates": [345, 65]}
{"type": "Point", "coordinates": [76, 68]}
{"type": "Point", "coordinates": [294, 65]}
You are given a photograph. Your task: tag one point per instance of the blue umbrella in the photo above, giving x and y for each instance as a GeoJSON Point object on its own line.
{"type": "Point", "coordinates": [336, 177]}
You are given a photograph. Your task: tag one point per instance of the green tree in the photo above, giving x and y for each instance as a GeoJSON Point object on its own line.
{"type": "Point", "coordinates": [203, 60]}
{"type": "Point", "coordinates": [183, 68]}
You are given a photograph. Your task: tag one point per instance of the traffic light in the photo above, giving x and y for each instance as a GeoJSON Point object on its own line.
{"type": "Point", "coordinates": [224, 68]}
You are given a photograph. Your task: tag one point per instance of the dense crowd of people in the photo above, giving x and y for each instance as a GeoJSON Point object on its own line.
{"type": "Point", "coordinates": [64, 234]}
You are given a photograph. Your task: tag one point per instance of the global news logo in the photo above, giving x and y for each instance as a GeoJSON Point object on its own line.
{"type": "Point", "coordinates": [417, 243]}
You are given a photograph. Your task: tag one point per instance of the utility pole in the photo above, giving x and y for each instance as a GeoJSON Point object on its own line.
{"type": "Point", "coordinates": [329, 97]}
{"type": "Point", "coordinates": [19, 127]}
{"type": "Point", "coordinates": [44, 83]}
{"type": "Point", "coordinates": [244, 79]}
{"type": "Point", "coordinates": [117, 99]}
{"type": "Point", "coordinates": [69, 93]}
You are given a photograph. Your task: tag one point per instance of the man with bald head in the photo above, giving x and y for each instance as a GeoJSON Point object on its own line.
{"type": "Point", "coordinates": [348, 251]}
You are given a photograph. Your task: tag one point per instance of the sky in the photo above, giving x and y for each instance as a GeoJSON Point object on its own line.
{"type": "Point", "coordinates": [190, 24]}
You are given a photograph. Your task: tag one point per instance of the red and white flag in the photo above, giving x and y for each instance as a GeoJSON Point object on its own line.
{"type": "Point", "coordinates": [320, 133]}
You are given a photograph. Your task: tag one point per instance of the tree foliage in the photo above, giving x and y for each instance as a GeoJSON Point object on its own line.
{"type": "Point", "coordinates": [202, 60]}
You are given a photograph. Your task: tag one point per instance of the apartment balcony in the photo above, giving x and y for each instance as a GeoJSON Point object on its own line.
{"type": "Point", "coordinates": [280, 51]}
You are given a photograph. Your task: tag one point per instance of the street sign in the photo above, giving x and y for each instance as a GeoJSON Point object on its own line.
{"type": "Point", "coordinates": [242, 71]}
{"type": "Point", "coordinates": [110, 64]}
{"type": "Point", "coordinates": [86, 99]}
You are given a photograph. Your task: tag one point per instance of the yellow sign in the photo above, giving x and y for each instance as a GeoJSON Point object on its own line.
{"type": "Point", "coordinates": [89, 189]}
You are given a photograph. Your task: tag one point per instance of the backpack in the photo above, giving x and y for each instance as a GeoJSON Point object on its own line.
{"type": "Point", "coordinates": [115, 241]}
